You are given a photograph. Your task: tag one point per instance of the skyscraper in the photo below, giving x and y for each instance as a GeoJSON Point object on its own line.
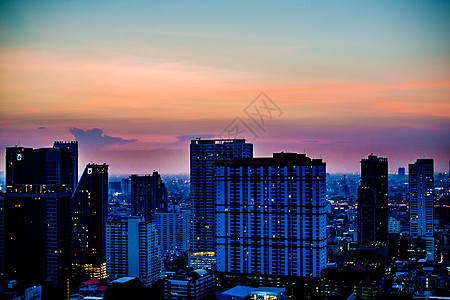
{"type": "Point", "coordinates": [89, 213]}
{"type": "Point", "coordinates": [35, 211]}
{"type": "Point", "coordinates": [271, 216]}
{"type": "Point", "coordinates": [133, 250]}
{"type": "Point", "coordinates": [204, 154]}
{"type": "Point", "coordinates": [421, 197]}
{"type": "Point", "coordinates": [148, 195]}
{"type": "Point", "coordinates": [373, 202]}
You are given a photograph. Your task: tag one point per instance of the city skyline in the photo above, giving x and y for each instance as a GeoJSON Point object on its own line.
{"type": "Point", "coordinates": [133, 83]}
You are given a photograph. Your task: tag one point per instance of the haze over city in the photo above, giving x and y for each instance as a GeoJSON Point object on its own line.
{"type": "Point", "coordinates": [135, 82]}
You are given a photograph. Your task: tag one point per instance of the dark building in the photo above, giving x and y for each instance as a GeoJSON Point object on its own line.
{"type": "Point", "coordinates": [89, 214]}
{"type": "Point", "coordinates": [401, 172]}
{"type": "Point", "coordinates": [373, 202]}
{"type": "Point", "coordinates": [204, 154]}
{"type": "Point", "coordinates": [35, 212]}
{"type": "Point", "coordinates": [148, 195]}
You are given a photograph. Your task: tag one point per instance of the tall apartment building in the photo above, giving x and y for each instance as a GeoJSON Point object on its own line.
{"type": "Point", "coordinates": [421, 197]}
{"type": "Point", "coordinates": [271, 216]}
{"type": "Point", "coordinates": [148, 195]}
{"type": "Point", "coordinates": [174, 231]}
{"type": "Point", "coordinates": [35, 212]}
{"type": "Point", "coordinates": [373, 202]}
{"type": "Point", "coordinates": [133, 250]}
{"type": "Point", "coordinates": [203, 156]}
{"type": "Point", "coordinates": [89, 213]}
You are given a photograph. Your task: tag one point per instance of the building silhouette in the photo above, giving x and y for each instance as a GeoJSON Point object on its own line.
{"type": "Point", "coordinates": [148, 195]}
{"type": "Point", "coordinates": [89, 213]}
{"type": "Point", "coordinates": [35, 212]}
{"type": "Point", "coordinates": [373, 202]}
{"type": "Point", "coordinates": [271, 216]}
{"type": "Point", "coordinates": [421, 197]}
{"type": "Point", "coordinates": [133, 250]}
{"type": "Point", "coordinates": [203, 156]}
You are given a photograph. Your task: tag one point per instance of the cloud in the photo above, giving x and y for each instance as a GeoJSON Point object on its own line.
{"type": "Point", "coordinates": [94, 138]}
{"type": "Point", "coordinates": [42, 127]}
{"type": "Point", "coordinates": [184, 138]}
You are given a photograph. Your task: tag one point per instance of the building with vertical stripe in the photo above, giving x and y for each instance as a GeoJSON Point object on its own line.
{"type": "Point", "coordinates": [203, 156]}
{"type": "Point", "coordinates": [133, 250]}
{"type": "Point", "coordinates": [270, 215]}
{"type": "Point", "coordinates": [421, 197]}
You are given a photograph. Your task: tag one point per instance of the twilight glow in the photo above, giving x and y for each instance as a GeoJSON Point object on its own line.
{"type": "Point", "coordinates": [133, 82]}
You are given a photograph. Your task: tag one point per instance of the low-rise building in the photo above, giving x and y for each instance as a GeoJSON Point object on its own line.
{"type": "Point", "coordinates": [194, 285]}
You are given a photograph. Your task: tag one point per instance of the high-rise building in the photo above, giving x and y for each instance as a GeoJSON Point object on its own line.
{"type": "Point", "coordinates": [174, 231]}
{"type": "Point", "coordinates": [203, 156]}
{"type": "Point", "coordinates": [373, 202]}
{"type": "Point", "coordinates": [421, 193]}
{"type": "Point", "coordinates": [271, 216]}
{"type": "Point", "coordinates": [35, 212]}
{"type": "Point", "coordinates": [89, 213]}
{"type": "Point", "coordinates": [133, 250]}
{"type": "Point", "coordinates": [70, 162]}
{"type": "Point", "coordinates": [148, 195]}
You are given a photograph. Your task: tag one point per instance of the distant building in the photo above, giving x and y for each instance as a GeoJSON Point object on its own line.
{"type": "Point", "coordinates": [401, 173]}
{"type": "Point", "coordinates": [421, 197]}
{"type": "Point", "coordinates": [202, 260]}
{"type": "Point", "coordinates": [194, 285]}
{"type": "Point", "coordinates": [148, 195]}
{"type": "Point", "coordinates": [271, 216]}
{"type": "Point", "coordinates": [89, 209]}
{"type": "Point", "coordinates": [373, 202]}
{"type": "Point", "coordinates": [204, 154]}
{"type": "Point", "coordinates": [35, 212]}
{"type": "Point", "coordinates": [174, 231]}
{"type": "Point", "coordinates": [126, 185]}
{"type": "Point", "coordinates": [133, 250]}
{"type": "Point", "coordinates": [394, 225]}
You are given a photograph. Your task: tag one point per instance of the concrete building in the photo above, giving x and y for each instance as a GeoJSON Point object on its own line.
{"type": "Point", "coordinates": [203, 156]}
{"type": "Point", "coordinates": [133, 250]}
{"type": "Point", "coordinates": [174, 231]}
{"type": "Point", "coordinates": [271, 216]}
{"type": "Point", "coordinates": [194, 285]}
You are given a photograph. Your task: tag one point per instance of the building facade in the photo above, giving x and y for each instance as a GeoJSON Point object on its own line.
{"type": "Point", "coordinates": [195, 285]}
{"type": "Point", "coordinates": [271, 216]}
{"type": "Point", "coordinates": [148, 195]}
{"type": "Point", "coordinates": [421, 197]}
{"type": "Point", "coordinates": [373, 202]}
{"type": "Point", "coordinates": [174, 231]}
{"type": "Point", "coordinates": [203, 156]}
{"type": "Point", "coordinates": [133, 250]}
{"type": "Point", "coordinates": [35, 212]}
{"type": "Point", "coordinates": [89, 213]}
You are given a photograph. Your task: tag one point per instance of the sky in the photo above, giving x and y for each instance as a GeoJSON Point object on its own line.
{"type": "Point", "coordinates": [134, 81]}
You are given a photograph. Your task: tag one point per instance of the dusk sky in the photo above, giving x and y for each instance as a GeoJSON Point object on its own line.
{"type": "Point", "coordinates": [134, 81]}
